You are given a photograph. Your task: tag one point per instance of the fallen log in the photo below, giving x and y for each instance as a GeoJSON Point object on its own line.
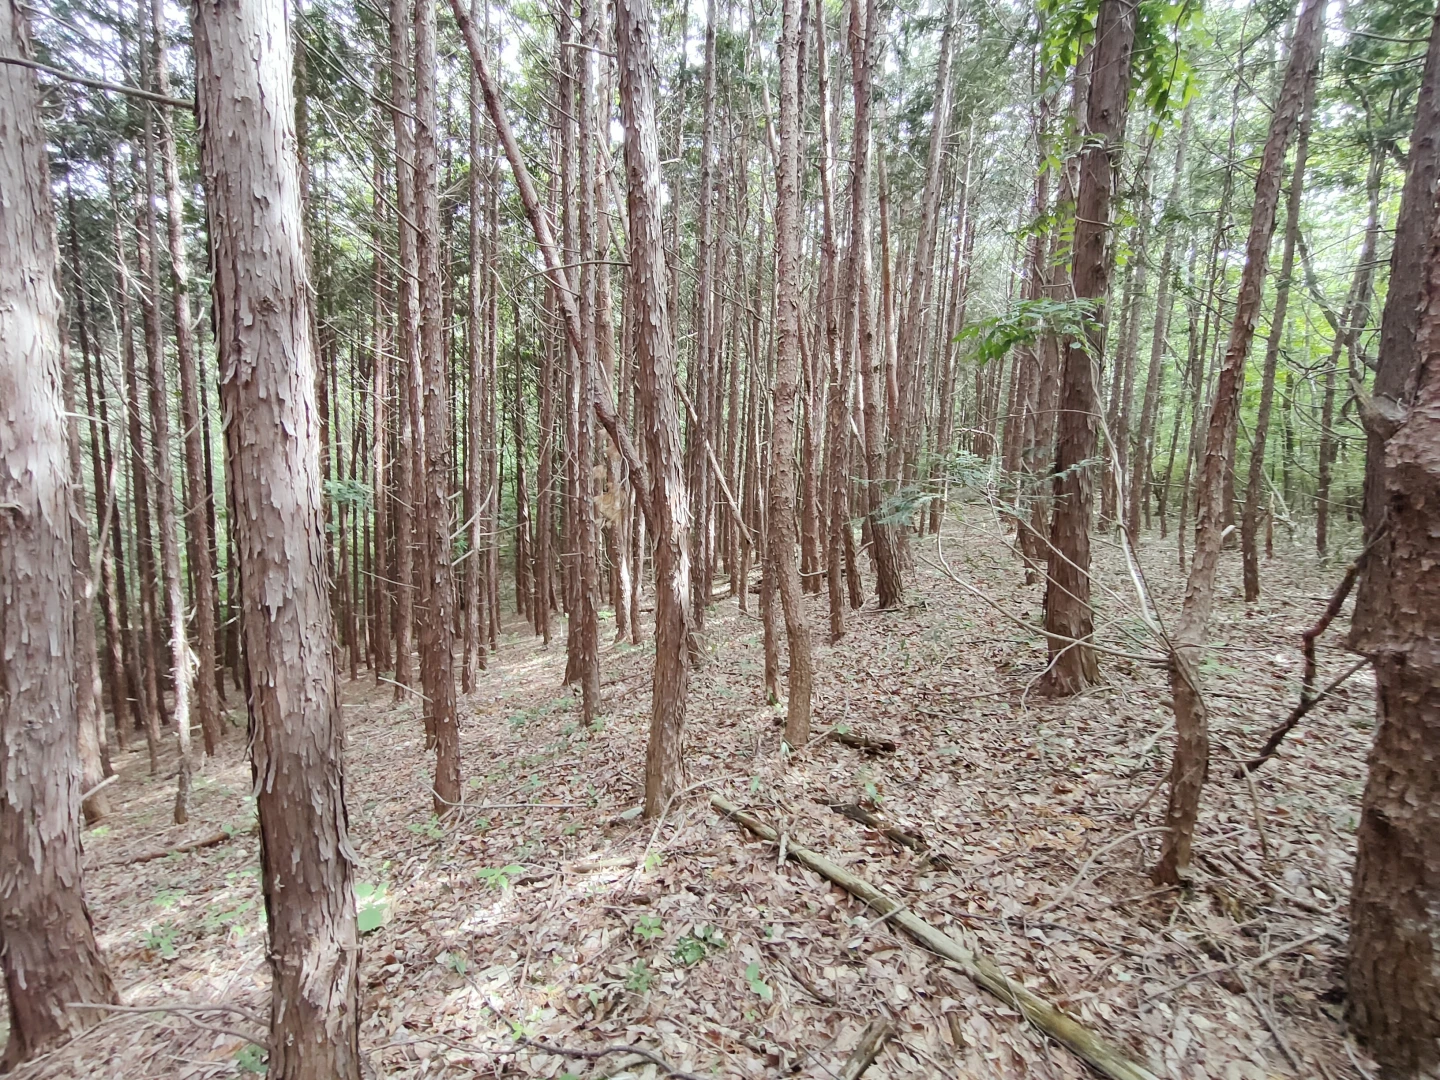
{"type": "Point", "coordinates": [1104, 1058]}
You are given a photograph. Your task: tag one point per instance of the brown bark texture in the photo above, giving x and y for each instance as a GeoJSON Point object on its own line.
{"type": "Point", "coordinates": [267, 387]}
{"type": "Point", "coordinates": [47, 942]}
{"type": "Point", "coordinates": [1068, 617]}
{"type": "Point", "coordinates": [1192, 734]}
{"type": "Point", "coordinates": [1394, 963]}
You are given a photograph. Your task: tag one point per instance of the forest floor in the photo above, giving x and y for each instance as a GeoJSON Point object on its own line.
{"type": "Point", "coordinates": [547, 908]}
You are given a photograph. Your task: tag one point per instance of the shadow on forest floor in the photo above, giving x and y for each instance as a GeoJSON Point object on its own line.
{"type": "Point", "coordinates": [578, 923]}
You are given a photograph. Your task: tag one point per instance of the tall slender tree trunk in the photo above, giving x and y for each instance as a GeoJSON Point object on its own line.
{"type": "Point", "coordinates": [474, 648]}
{"type": "Point", "coordinates": [437, 660]}
{"type": "Point", "coordinates": [1069, 620]}
{"type": "Point", "coordinates": [408, 302]}
{"type": "Point", "coordinates": [1255, 480]}
{"type": "Point", "coordinates": [787, 382]}
{"type": "Point", "coordinates": [197, 523]}
{"type": "Point", "coordinates": [174, 607]}
{"type": "Point", "coordinates": [1394, 972]}
{"type": "Point", "coordinates": [1192, 735]}
{"type": "Point", "coordinates": [47, 941]}
{"type": "Point", "coordinates": [655, 364]}
{"type": "Point", "coordinates": [1352, 321]}
{"type": "Point", "coordinates": [267, 388]}
{"type": "Point", "coordinates": [1144, 446]}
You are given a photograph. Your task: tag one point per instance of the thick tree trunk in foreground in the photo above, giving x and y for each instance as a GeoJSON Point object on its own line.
{"type": "Point", "coordinates": [1068, 617]}
{"type": "Point", "coordinates": [1394, 959]}
{"type": "Point", "coordinates": [268, 391]}
{"type": "Point", "coordinates": [1394, 969]}
{"type": "Point", "coordinates": [787, 382]}
{"type": "Point", "coordinates": [1192, 734]}
{"type": "Point", "coordinates": [47, 942]}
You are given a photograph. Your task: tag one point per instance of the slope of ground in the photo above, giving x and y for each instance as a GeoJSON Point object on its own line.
{"type": "Point", "coordinates": [547, 910]}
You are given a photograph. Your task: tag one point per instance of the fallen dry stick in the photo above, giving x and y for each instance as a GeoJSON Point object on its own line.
{"type": "Point", "coordinates": [193, 845]}
{"type": "Point", "coordinates": [876, 1034]}
{"type": "Point", "coordinates": [1104, 1058]}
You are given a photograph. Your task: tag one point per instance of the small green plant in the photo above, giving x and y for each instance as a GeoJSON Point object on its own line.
{"type": "Point", "coordinates": [167, 898]}
{"type": "Point", "coordinates": [498, 877]}
{"type": "Point", "coordinates": [250, 1059]}
{"type": "Point", "coordinates": [430, 829]}
{"type": "Point", "coordinates": [455, 961]}
{"type": "Point", "coordinates": [161, 939]}
{"type": "Point", "coordinates": [100, 830]}
{"type": "Point", "coordinates": [758, 986]}
{"type": "Point", "coordinates": [696, 945]}
{"type": "Point", "coordinates": [640, 978]}
{"type": "Point", "coordinates": [649, 927]}
{"type": "Point", "coordinates": [371, 905]}
{"type": "Point", "coordinates": [652, 860]}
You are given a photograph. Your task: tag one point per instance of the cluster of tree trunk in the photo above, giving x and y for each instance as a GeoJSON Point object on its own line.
{"type": "Point", "coordinates": [756, 408]}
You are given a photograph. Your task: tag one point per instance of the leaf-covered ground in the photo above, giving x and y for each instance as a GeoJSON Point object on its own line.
{"type": "Point", "coordinates": [549, 910]}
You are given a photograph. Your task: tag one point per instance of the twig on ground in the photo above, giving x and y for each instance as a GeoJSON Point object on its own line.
{"type": "Point", "coordinates": [876, 1034]}
{"type": "Point", "coordinates": [1090, 861]}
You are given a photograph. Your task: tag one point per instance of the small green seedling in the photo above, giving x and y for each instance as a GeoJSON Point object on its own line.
{"type": "Point", "coordinates": [161, 939]}
{"type": "Point", "coordinates": [757, 985]}
{"type": "Point", "coordinates": [649, 927]}
{"type": "Point", "coordinates": [250, 1059]}
{"type": "Point", "coordinates": [372, 905]}
{"type": "Point", "coordinates": [498, 877]}
{"type": "Point", "coordinates": [640, 979]}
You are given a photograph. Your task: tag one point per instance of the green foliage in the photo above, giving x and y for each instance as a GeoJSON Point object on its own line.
{"type": "Point", "coordinates": [250, 1059]}
{"type": "Point", "coordinates": [372, 906]}
{"type": "Point", "coordinates": [1023, 323]}
{"type": "Point", "coordinates": [455, 961]}
{"type": "Point", "coordinates": [431, 828]}
{"type": "Point", "coordinates": [698, 944]}
{"type": "Point", "coordinates": [498, 877]}
{"type": "Point", "coordinates": [758, 986]}
{"type": "Point", "coordinates": [161, 939]}
{"type": "Point", "coordinates": [649, 927]}
{"type": "Point", "coordinates": [640, 978]}
{"type": "Point", "coordinates": [1161, 75]}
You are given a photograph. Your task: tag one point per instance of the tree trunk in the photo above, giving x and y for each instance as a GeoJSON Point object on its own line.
{"type": "Point", "coordinates": [1192, 735]}
{"type": "Point", "coordinates": [1069, 621]}
{"type": "Point", "coordinates": [437, 661]}
{"type": "Point", "coordinates": [655, 362]}
{"type": "Point", "coordinates": [407, 300]}
{"type": "Point", "coordinates": [1144, 447]}
{"type": "Point", "coordinates": [1394, 975]}
{"type": "Point", "coordinates": [164, 483]}
{"type": "Point", "coordinates": [47, 942]}
{"type": "Point", "coordinates": [197, 526]}
{"type": "Point", "coordinates": [781, 534]}
{"type": "Point", "coordinates": [474, 648]}
{"type": "Point", "coordinates": [267, 390]}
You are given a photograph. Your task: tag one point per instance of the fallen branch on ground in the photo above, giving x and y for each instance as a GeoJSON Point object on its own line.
{"type": "Point", "coordinates": [876, 1034]}
{"type": "Point", "coordinates": [213, 840]}
{"type": "Point", "coordinates": [914, 841]}
{"type": "Point", "coordinates": [1104, 1058]}
{"type": "Point", "coordinates": [865, 742]}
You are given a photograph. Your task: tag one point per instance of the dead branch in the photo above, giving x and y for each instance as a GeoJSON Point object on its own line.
{"type": "Point", "coordinates": [213, 840]}
{"type": "Point", "coordinates": [1103, 1057]}
{"type": "Point", "coordinates": [876, 1034]}
{"type": "Point", "coordinates": [865, 742]}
